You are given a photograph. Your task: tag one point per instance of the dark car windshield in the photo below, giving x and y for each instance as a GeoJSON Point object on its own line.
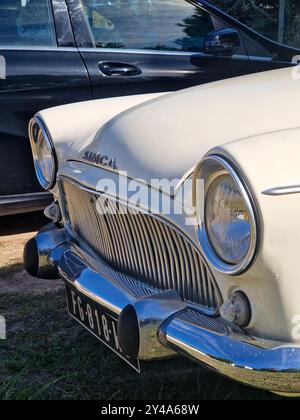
{"type": "Point", "coordinates": [278, 20]}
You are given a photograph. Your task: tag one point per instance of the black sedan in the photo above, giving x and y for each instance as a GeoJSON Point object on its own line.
{"type": "Point", "coordinates": [54, 52]}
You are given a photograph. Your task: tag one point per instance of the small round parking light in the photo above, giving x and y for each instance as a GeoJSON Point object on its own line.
{"type": "Point", "coordinates": [237, 309]}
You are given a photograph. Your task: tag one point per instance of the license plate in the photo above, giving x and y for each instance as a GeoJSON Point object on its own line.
{"type": "Point", "coordinates": [96, 320]}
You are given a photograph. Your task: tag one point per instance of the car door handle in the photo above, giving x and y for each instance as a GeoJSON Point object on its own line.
{"type": "Point", "coordinates": [118, 69]}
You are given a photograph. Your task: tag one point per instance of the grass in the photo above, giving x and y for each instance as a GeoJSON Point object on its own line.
{"type": "Point", "coordinates": [48, 356]}
{"type": "Point", "coordinates": [10, 269]}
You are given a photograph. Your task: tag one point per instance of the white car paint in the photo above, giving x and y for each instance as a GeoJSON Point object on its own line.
{"type": "Point", "coordinates": [254, 121]}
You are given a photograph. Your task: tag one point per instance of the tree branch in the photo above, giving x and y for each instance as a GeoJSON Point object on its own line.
{"type": "Point", "coordinates": [258, 9]}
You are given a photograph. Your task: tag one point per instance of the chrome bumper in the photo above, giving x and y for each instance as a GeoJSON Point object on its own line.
{"type": "Point", "coordinates": [225, 349]}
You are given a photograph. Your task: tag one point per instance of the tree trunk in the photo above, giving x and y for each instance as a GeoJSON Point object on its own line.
{"type": "Point", "coordinates": [281, 21]}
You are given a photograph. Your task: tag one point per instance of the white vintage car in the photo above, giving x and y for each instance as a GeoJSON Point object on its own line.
{"type": "Point", "coordinates": [175, 224]}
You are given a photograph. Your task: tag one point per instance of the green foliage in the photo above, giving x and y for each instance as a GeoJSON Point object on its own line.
{"type": "Point", "coordinates": [267, 17]}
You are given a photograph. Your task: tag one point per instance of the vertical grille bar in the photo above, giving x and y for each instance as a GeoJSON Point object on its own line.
{"type": "Point", "coordinates": [141, 245]}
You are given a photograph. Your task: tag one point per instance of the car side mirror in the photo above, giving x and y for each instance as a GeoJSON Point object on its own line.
{"type": "Point", "coordinates": [222, 42]}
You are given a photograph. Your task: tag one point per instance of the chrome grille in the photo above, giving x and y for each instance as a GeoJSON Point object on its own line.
{"type": "Point", "coordinates": [141, 246]}
{"type": "Point", "coordinates": [207, 323]}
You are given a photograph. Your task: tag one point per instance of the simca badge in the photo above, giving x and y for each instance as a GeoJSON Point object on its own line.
{"type": "Point", "coordinates": [98, 159]}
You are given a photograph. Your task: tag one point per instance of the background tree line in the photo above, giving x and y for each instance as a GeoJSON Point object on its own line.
{"type": "Point", "coordinates": [276, 19]}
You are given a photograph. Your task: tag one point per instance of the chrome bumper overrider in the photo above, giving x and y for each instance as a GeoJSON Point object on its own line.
{"type": "Point", "coordinates": [173, 327]}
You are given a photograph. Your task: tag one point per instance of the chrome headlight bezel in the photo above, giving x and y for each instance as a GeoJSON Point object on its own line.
{"type": "Point", "coordinates": [210, 169]}
{"type": "Point", "coordinates": [34, 136]}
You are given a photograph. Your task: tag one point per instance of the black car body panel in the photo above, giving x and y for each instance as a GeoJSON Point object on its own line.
{"type": "Point", "coordinates": [37, 80]}
{"type": "Point", "coordinates": [71, 68]}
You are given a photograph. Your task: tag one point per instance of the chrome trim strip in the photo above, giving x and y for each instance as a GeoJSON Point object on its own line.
{"type": "Point", "coordinates": [259, 58]}
{"type": "Point", "coordinates": [152, 52]}
{"type": "Point", "coordinates": [97, 165]}
{"type": "Point", "coordinates": [185, 177]}
{"type": "Point", "coordinates": [277, 191]}
{"type": "Point", "coordinates": [7, 199]}
{"type": "Point", "coordinates": [119, 171]}
{"type": "Point", "coordinates": [41, 49]}
{"type": "Point", "coordinates": [137, 51]}
{"type": "Point", "coordinates": [127, 203]}
{"type": "Point", "coordinates": [24, 203]}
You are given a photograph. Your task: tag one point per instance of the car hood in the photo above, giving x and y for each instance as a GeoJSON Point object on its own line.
{"type": "Point", "coordinates": [168, 136]}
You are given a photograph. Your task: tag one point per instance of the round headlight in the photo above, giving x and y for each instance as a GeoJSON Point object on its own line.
{"type": "Point", "coordinates": [227, 229]}
{"type": "Point", "coordinates": [43, 154]}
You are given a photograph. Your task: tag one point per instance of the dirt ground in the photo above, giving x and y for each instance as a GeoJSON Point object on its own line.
{"type": "Point", "coordinates": [14, 233]}
{"type": "Point", "coordinates": [48, 356]}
